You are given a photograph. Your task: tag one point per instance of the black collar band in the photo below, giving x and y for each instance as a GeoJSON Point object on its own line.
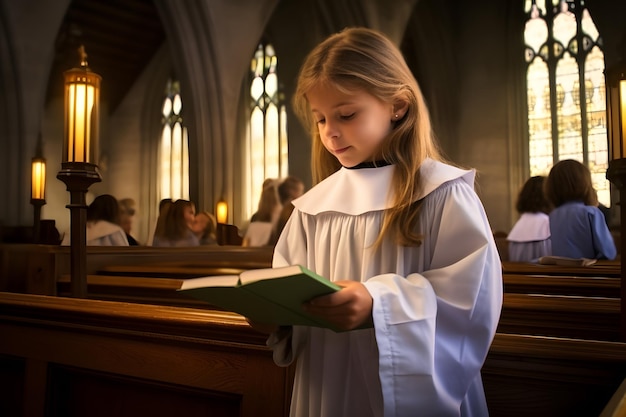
{"type": "Point", "coordinates": [370, 164]}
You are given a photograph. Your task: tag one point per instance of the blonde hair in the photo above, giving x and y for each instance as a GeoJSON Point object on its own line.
{"type": "Point", "coordinates": [210, 230]}
{"type": "Point", "coordinates": [269, 202]}
{"type": "Point", "coordinates": [360, 59]}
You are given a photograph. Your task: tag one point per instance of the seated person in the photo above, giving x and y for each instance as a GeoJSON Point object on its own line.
{"type": "Point", "coordinates": [577, 226]}
{"type": "Point", "coordinates": [103, 223]}
{"type": "Point", "coordinates": [174, 227]}
{"type": "Point", "coordinates": [529, 239]}
{"type": "Point", "coordinates": [263, 222]}
{"type": "Point", "coordinates": [127, 214]}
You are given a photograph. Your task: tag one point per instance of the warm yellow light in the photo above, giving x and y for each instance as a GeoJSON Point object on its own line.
{"type": "Point", "coordinates": [38, 188]}
{"type": "Point", "coordinates": [80, 106]}
{"type": "Point", "coordinates": [82, 96]}
{"type": "Point", "coordinates": [222, 211]}
{"type": "Point", "coordinates": [622, 115]}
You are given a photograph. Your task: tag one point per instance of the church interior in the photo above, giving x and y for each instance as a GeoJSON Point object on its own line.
{"type": "Point", "coordinates": [122, 342]}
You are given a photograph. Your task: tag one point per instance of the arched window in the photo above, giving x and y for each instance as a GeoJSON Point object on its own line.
{"type": "Point", "coordinates": [565, 89]}
{"type": "Point", "coordinates": [266, 145]}
{"type": "Point", "coordinates": [174, 149]}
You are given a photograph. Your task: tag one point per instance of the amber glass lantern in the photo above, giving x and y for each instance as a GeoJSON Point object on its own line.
{"type": "Point", "coordinates": [37, 193]}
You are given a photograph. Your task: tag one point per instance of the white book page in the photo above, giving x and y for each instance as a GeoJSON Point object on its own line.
{"type": "Point", "coordinates": [269, 273]}
{"type": "Point", "coordinates": [210, 281]}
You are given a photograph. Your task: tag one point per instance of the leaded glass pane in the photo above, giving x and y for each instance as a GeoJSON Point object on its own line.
{"type": "Point", "coordinates": [177, 153]}
{"type": "Point", "coordinates": [539, 119]}
{"type": "Point", "coordinates": [272, 142]}
{"type": "Point", "coordinates": [564, 26]}
{"type": "Point", "coordinates": [589, 27]}
{"type": "Point", "coordinates": [568, 110]}
{"type": "Point", "coordinates": [257, 157]}
{"type": "Point", "coordinates": [536, 32]}
{"type": "Point", "coordinates": [166, 146]}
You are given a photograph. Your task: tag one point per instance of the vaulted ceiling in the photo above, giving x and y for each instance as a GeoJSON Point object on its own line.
{"type": "Point", "coordinates": [120, 38]}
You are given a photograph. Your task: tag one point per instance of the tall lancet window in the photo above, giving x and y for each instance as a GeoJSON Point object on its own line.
{"type": "Point", "coordinates": [267, 128]}
{"type": "Point", "coordinates": [174, 149]}
{"type": "Point", "coordinates": [565, 89]}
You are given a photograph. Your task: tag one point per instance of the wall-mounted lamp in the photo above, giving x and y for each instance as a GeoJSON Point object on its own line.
{"type": "Point", "coordinates": [616, 111]}
{"type": "Point", "coordinates": [37, 192]}
{"type": "Point", "coordinates": [616, 123]}
{"type": "Point", "coordinates": [78, 166]}
{"type": "Point", "coordinates": [222, 211]}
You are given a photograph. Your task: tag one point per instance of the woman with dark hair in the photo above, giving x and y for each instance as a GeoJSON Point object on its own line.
{"type": "Point", "coordinates": [175, 225]}
{"type": "Point", "coordinates": [530, 237]}
{"type": "Point", "coordinates": [103, 223]}
{"type": "Point", "coordinates": [577, 226]}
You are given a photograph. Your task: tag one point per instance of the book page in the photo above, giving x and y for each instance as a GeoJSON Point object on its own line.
{"type": "Point", "coordinates": [210, 281]}
{"type": "Point", "coordinates": [253, 275]}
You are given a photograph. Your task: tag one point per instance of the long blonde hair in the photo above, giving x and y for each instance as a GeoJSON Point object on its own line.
{"type": "Point", "coordinates": [360, 59]}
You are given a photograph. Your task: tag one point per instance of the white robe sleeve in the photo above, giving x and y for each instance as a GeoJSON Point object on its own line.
{"type": "Point", "coordinates": [434, 328]}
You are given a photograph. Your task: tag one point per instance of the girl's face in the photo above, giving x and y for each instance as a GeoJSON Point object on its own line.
{"type": "Point", "coordinates": [351, 127]}
{"type": "Point", "coordinates": [200, 223]}
{"type": "Point", "coordinates": [190, 216]}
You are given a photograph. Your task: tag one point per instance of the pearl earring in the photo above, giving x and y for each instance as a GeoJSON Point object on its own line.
{"type": "Point", "coordinates": [396, 116]}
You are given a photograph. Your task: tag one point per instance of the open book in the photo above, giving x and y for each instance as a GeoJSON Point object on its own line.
{"type": "Point", "coordinates": [565, 261]}
{"type": "Point", "coordinates": [269, 295]}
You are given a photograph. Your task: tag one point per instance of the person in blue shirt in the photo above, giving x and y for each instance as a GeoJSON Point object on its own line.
{"type": "Point", "coordinates": [577, 226]}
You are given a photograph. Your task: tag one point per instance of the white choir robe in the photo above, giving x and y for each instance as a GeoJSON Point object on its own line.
{"type": "Point", "coordinates": [435, 306]}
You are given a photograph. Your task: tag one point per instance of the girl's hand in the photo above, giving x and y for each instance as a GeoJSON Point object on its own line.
{"type": "Point", "coordinates": [347, 309]}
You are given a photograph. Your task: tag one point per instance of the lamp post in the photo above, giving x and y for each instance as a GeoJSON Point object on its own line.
{"type": "Point", "coordinates": [78, 167]}
{"type": "Point", "coordinates": [616, 173]}
{"type": "Point", "coordinates": [37, 192]}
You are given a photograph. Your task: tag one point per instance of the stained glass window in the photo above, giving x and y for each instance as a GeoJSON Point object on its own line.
{"type": "Point", "coordinates": [565, 89]}
{"type": "Point", "coordinates": [174, 149]}
{"type": "Point", "coordinates": [267, 127]}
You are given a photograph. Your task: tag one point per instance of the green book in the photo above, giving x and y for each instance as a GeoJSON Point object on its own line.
{"type": "Point", "coordinates": [269, 295]}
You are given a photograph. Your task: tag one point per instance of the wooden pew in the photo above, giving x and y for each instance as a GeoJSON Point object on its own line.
{"type": "Point", "coordinates": [133, 289]}
{"type": "Point", "coordinates": [594, 318]}
{"type": "Point", "coordinates": [551, 377]}
{"type": "Point", "coordinates": [36, 269]}
{"type": "Point", "coordinates": [563, 301]}
{"type": "Point", "coordinates": [62, 356]}
{"type": "Point", "coordinates": [590, 286]}
{"type": "Point", "coordinates": [602, 268]}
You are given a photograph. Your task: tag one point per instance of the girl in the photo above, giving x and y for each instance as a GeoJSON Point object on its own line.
{"type": "Point", "coordinates": [174, 227]}
{"type": "Point", "coordinates": [403, 233]}
{"type": "Point", "coordinates": [577, 226]}
{"type": "Point", "coordinates": [103, 223]}
{"type": "Point", "coordinates": [529, 238]}
{"type": "Point", "coordinates": [263, 222]}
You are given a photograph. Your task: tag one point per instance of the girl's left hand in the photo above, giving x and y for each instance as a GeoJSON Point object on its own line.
{"type": "Point", "coordinates": [347, 308]}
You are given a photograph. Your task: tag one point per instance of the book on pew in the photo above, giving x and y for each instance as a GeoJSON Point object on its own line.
{"type": "Point", "coordinates": [565, 261]}
{"type": "Point", "coordinates": [268, 295]}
